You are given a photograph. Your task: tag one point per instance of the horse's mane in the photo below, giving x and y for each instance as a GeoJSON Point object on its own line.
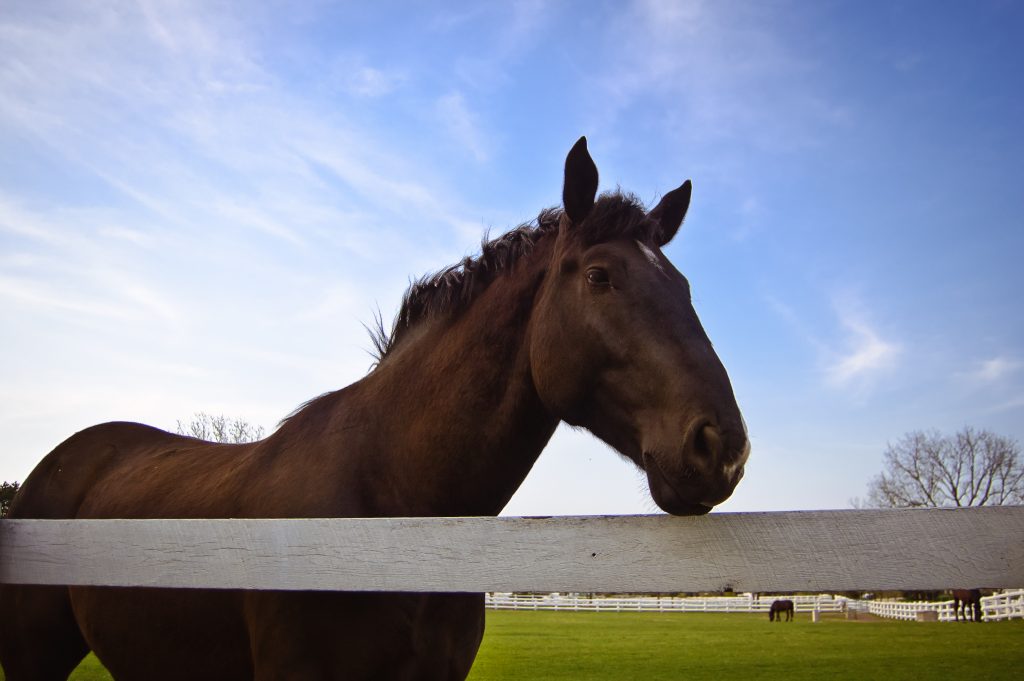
{"type": "Point", "coordinates": [447, 291]}
{"type": "Point", "coordinates": [454, 287]}
{"type": "Point", "coordinates": [615, 215]}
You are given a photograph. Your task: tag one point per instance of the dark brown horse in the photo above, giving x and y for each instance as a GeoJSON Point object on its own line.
{"type": "Point", "coordinates": [578, 318]}
{"type": "Point", "coordinates": [781, 607]}
{"type": "Point", "coordinates": [964, 601]}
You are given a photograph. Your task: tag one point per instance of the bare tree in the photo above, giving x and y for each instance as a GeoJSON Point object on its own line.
{"type": "Point", "coordinates": [969, 468]}
{"type": "Point", "coordinates": [220, 429]}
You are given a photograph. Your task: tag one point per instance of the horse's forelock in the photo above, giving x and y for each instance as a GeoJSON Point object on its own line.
{"type": "Point", "coordinates": [618, 216]}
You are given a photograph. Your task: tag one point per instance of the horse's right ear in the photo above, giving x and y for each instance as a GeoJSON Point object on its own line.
{"type": "Point", "coordinates": [670, 211]}
{"type": "Point", "coordinates": [580, 186]}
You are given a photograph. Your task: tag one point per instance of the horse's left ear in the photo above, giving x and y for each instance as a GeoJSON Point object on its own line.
{"type": "Point", "coordinates": [580, 186]}
{"type": "Point", "coordinates": [670, 211]}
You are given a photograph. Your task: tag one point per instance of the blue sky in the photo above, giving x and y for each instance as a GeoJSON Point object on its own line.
{"type": "Point", "coordinates": [201, 203]}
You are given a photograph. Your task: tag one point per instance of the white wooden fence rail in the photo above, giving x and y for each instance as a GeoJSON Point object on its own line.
{"type": "Point", "coordinates": [791, 551]}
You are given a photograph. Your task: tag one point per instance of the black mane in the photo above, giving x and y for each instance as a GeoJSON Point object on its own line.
{"type": "Point", "coordinates": [614, 215]}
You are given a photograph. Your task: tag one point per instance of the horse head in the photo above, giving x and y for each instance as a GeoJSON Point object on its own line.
{"type": "Point", "coordinates": [616, 346]}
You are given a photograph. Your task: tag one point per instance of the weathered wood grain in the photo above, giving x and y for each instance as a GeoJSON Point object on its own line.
{"type": "Point", "coordinates": [790, 551]}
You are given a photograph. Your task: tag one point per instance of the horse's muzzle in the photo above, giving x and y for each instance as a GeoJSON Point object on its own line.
{"type": "Point", "coordinates": [702, 476]}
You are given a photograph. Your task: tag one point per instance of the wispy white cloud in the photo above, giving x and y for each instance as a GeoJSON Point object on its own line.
{"type": "Point", "coordinates": [367, 81]}
{"type": "Point", "coordinates": [857, 357]}
{"type": "Point", "coordinates": [994, 369]}
{"type": "Point", "coordinates": [1011, 404]}
{"type": "Point", "coordinates": [352, 75]}
{"type": "Point", "coordinates": [257, 218]}
{"type": "Point", "coordinates": [133, 236]}
{"type": "Point", "coordinates": [750, 217]}
{"type": "Point", "coordinates": [463, 125]}
{"type": "Point", "coordinates": [727, 69]}
{"type": "Point", "coordinates": [77, 262]}
{"type": "Point", "coordinates": [208, 211]}
{"type": "Point", "coordinates": [512, 30]}
{"type": "Point", "coordinates": [174, 82]}
{"type": "Point", "coordinates": [525, 24]}
{"type": "Point", "coordinates": [20, 291]}
{"type": "Point", "coordinates": [864, 353]}
{"type": "Point", "coordinates": [789, 314]}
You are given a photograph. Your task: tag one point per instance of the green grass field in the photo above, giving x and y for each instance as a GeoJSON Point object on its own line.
{"type": "Point", "coordinates": [694, 647]}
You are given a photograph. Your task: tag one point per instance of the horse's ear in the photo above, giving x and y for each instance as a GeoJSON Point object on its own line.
{"type": "Point", "coordinates": [580, 186]}
{"type": "Point", "coordinates": [670, 211]}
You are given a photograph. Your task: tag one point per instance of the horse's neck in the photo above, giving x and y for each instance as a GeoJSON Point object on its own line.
{"type": "Point", "coordinates": [450, 422]}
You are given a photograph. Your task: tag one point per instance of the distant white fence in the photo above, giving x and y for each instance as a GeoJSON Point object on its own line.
{"type": "Point", "coordinates": [1005, 605]}
{"type": "Point", "coordinates": [744, 552]}
{"type": "Point", "coordinates": [583, 602]}
{"type": "Point", "coordinates": [1000, 606]}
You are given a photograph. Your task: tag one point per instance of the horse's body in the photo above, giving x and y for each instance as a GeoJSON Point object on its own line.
{"type": "Point", "coordinates": [964, 601]}
{"type": "Point", "coordinates": [780, 607]}
{"type": "Point", "coordinates": [581, 319]}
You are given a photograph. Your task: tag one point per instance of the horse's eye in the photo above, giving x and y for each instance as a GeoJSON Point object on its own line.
{"type": "Point", "coordinates": [597, 276]}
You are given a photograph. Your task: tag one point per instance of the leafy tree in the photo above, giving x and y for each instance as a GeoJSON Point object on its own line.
{"type": "Point", "coordinates": [7, 492]}
{"type": "Point", "coordinates": [220, 429]}
{"type": "Point", "coordinates": [968, 468]}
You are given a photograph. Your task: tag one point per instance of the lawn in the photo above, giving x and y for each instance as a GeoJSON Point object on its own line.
{"type": "Point", "coordinates": [694, 647]}
{"type": "Point", "coordinates": [652, 646]}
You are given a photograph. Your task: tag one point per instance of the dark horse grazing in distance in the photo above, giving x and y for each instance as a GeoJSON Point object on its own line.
{"type": "Point", "coordinates": [964, 600]}
{"type": "Point", "coordinates": [781, 607]}
{"type": "Point", "coordinates": [579, 318]}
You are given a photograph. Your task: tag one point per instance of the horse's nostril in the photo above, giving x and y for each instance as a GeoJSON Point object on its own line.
{"type": "Point", "coordinates": [707, 442]}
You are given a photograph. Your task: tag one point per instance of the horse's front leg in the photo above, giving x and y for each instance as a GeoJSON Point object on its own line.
{"type": "Point", "coordinates": [330, 636]}
{"type": "Point", "coordinates": [327, 636]}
